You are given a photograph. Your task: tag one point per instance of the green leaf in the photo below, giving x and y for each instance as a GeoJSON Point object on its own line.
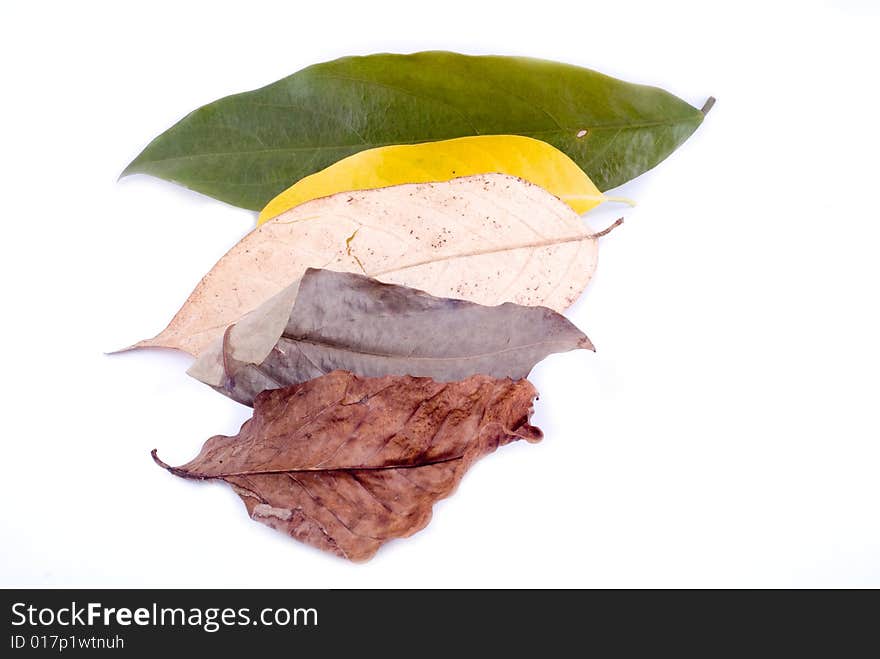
{"type": "Point", "coordinates": [247, 148]}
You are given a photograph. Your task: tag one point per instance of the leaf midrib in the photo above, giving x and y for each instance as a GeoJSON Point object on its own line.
{"type": "Point", "coordinates": [313, 470]}
{"type": "Point", "coordinates": [376, 145]}
{"type": "Point", "coordinates": [358, 351]}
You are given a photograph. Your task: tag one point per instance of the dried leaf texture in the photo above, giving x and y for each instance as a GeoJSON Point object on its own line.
{"type": "Point", "coordinates": [488, 239]}
{"type": "Point", "coordinates": [346, 463]}
{"type": "Point", "coordinates": [344, 321]}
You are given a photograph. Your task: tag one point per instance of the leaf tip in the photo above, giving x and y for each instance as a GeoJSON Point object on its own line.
{"type": "Point", "coordinates": [130, 168]}
{"type": "Point", "coordinates": [119, 351]}
{"type": "Point", "coordinates": [145, 343]}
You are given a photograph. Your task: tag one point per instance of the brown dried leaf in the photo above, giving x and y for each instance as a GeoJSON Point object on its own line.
{"type": "Point", "coordinates": [343, 321]}
{"type": "Point", "coordinates": [346, 463]}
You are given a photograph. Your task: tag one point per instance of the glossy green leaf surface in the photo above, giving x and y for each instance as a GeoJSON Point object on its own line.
{"type": "Point", "coordinates": [247, 148]}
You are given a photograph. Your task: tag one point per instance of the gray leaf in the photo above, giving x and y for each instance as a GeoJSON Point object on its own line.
{"type": "Point", "coordinates": [344, 321]}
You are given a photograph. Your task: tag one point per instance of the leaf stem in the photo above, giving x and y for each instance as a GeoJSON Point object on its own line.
{"type": "Point", "coordinates": [621, 200]}
{"type": "Point", "coordinates": [177, 471]}
{"type": "Point", "coordinates": [607, 230]}
{"type": "Point", "coordinates": [707, 105]}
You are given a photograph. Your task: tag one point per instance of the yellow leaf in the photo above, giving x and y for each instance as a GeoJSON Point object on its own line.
{"type": "Point", "coordinates": [524, 157]}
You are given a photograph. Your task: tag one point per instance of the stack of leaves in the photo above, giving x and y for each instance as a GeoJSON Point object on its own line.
{"type": "Point", "coordinates": [419, 233]}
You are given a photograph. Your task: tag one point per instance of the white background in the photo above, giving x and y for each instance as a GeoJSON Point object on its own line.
{"type": "Point", "coordinates": [724, 434]}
